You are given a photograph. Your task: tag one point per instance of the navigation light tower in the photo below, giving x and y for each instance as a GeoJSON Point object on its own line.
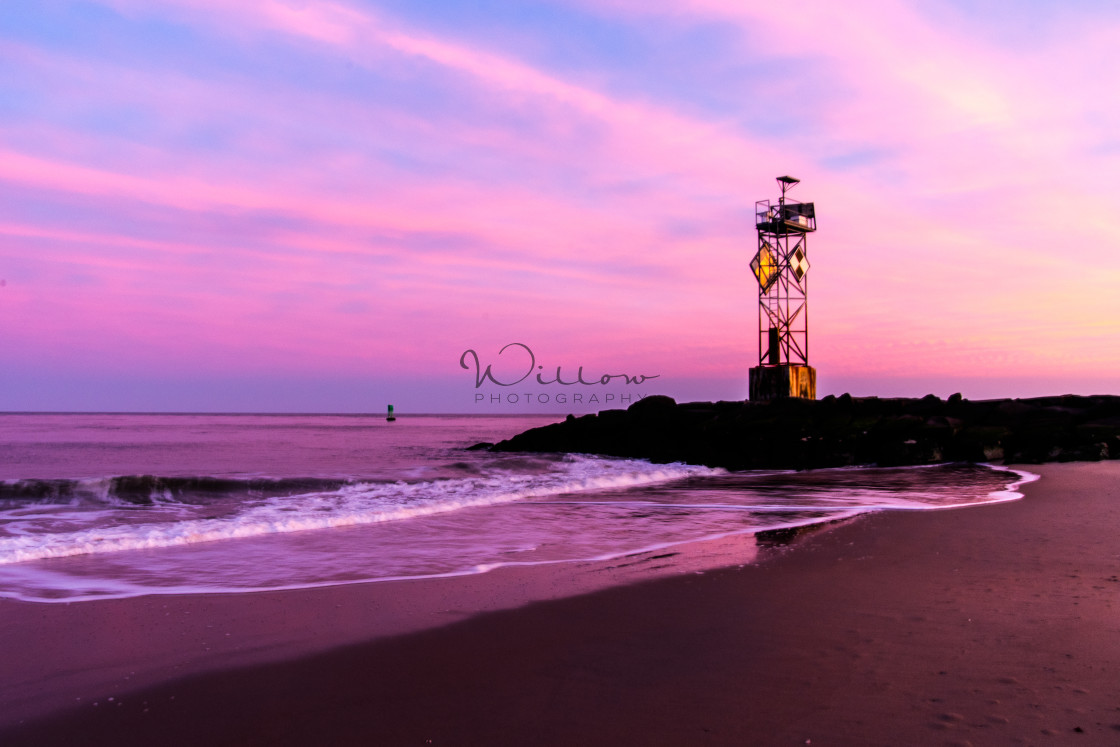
{"type": "Point", "coordinates": [781, 267]}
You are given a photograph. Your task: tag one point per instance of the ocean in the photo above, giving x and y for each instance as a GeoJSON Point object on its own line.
{"type": "Point", "coordinates": [102, 506]}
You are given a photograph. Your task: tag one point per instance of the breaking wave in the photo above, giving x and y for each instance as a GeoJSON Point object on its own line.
{"type": "Point", "coordinates": [266, 506]}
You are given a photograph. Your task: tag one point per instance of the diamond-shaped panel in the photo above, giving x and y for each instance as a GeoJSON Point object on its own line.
{"type": "Point", "coordinates": [765, 267]}
{"type": "Point", "coordinates": [799, 264]}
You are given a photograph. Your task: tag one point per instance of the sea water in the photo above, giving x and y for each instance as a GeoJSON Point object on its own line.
{"type": "Point", "coordinates": [96, 506]}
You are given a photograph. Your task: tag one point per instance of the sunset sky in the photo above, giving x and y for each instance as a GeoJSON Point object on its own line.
{"type": "Point", "coordinates": [273, 205]}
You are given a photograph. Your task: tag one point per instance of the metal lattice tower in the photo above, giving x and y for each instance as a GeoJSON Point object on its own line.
{"type": "Point", "coordinates": [781, 266]}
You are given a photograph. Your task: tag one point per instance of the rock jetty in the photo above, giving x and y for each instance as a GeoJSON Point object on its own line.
{"type": "Point", "coordinates": [840, 431]}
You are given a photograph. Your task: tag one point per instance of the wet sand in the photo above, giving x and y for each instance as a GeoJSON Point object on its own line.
{"type": "Point", "coordinates": [991, 625]}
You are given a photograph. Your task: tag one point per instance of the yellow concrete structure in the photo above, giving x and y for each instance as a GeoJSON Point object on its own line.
{"type": "Point", "coordinates": [781, 382]}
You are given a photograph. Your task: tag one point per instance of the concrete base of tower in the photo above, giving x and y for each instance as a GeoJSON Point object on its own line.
{"type": "Point", "coordinates": [780, 382]}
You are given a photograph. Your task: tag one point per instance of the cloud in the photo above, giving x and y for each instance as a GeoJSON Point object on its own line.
{"type": "Point", "coordinates": [293, 185]}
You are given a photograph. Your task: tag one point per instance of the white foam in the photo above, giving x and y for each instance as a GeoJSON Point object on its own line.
{"type": "Point", "coordinates": [65, 589]}
{"type": "Point", "coordinates": [530, 524]}
{"type": "Point", "coordinates": [350, 505]}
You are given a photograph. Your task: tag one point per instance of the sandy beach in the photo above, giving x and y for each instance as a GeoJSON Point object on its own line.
{"type": "Point", "coordinates": [997, 624]}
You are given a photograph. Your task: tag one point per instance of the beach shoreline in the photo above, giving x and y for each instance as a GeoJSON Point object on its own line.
{"type": "Point", "coordinates": [992, 624]}
{"type": "Point", "coordinates": [115, 646]}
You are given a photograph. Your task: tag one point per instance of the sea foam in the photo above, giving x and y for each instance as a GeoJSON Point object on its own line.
{"type": "Point", "coordinates": [352, 504]}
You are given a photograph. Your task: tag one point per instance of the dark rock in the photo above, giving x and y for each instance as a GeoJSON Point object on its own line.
{"type": "Point", "coordinates": [839, 431]}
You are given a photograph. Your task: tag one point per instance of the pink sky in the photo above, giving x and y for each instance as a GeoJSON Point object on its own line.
{"type": "Point", "coordinates": [293, 206]}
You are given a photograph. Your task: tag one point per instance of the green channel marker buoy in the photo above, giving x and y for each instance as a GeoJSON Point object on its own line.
{"type": "Point", "coordinates": [391, 417]}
